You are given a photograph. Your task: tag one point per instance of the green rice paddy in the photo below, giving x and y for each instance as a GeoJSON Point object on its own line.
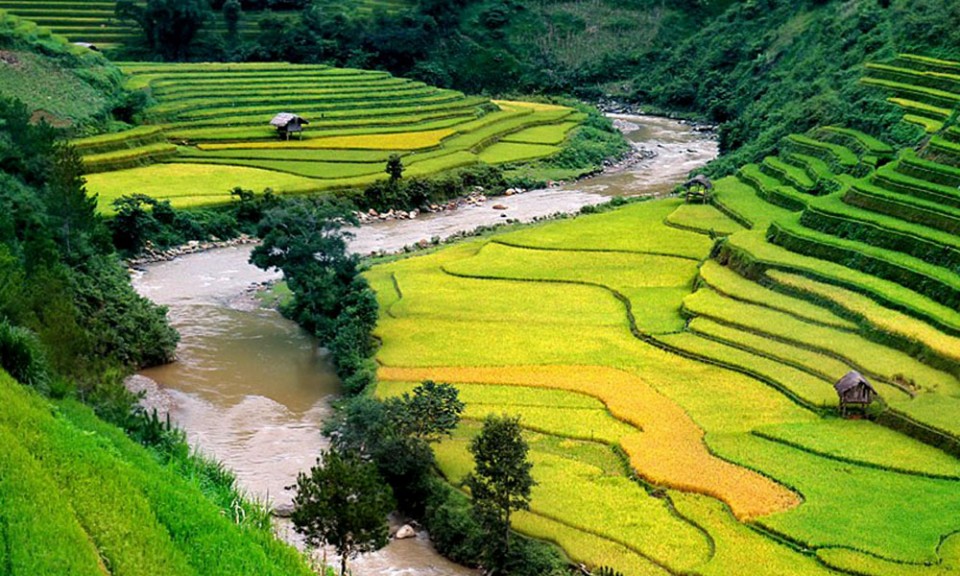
{"type": "Point", "coordinates": [208, 131]}
{"type": "Point", "coordinates": [738, 317]}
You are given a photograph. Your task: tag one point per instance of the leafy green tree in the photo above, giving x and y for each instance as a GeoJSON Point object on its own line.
{"type": "Point", "coordinates": [395, 168]}
{"type": "Point", "coordinates": [304, 239]}
{"type": "Point", "coordinates": [232, 11]}
{"type": "Point", "coordinates": [500, 483]}
{"type": "Point", "coordinates": [132, 223]}
{"type": "Point", "coordinates": [169, 27]}
{"type": "Point", "coordinates": [72, 212]}
{"type": "Point", "coordinates": [433, 411]}
{"type": "Point", "coordinates": [343, 503]}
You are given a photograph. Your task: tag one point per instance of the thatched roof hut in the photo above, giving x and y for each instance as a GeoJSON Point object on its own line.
{"type": "Point", "coordinates": [698, 181]}
{"type": "Point", "coordinates": [853, 389]}
{"type": "Point", "coordinates": [699, 188]}
{"type": "Point", "coordinates": [288, 123]}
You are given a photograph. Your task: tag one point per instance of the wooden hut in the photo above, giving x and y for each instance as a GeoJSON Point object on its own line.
{"type": "Point", "coordinates": [854, 390]}
{"type": "Point", "coordinates": [287, 123]}
{"type": "Point", "coordinates": [698, 189]}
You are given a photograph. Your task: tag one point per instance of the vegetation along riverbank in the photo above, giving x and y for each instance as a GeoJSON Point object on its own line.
{"type": "Point", "coordinates": [759, 373]}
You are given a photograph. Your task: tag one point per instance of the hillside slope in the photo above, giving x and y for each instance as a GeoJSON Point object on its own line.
{"type": "Point", "coordinates": [708, 367]}
{"type": "Point", "coordinates": [78, 497]}
{"type": "Point", "coordinates": [64, 84]}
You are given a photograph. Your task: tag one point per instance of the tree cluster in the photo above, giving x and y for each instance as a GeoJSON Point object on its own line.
{"type": "Point", "coordinates": [303, 238]}
{"type": "Point", "coordinates": [69, 318]}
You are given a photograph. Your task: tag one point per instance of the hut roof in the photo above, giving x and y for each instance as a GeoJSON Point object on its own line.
{"type": "Point", "coordinates": [284, 118]}
{"type": "Point", "coordinates": [850, 380]}
{"type": "Point", "coordinates": [701, 180]}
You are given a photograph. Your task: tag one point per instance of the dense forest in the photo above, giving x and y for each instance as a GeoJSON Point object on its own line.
{"type": "Point", "coordinates": [760, 69]}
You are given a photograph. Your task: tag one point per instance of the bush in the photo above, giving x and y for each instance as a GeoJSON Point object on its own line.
{"type": "Point", "coordinates": [22, 357]}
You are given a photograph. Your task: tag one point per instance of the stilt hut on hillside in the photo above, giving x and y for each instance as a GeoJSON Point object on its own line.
{"type": "Point", "coordinates": [698, 189]}
{"type": "Point", "coordinates": [287, 123]}
{"type": "Point", "coordinates": [854, 390]}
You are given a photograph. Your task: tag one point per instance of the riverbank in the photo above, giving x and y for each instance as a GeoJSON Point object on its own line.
{"type": "Point", "coordinates": [250, 389]}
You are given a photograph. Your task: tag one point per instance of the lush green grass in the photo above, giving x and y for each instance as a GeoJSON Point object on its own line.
{"type": "Point", "coordinates": [98, 499]}
{"type": "Point", "coordinates": [63, 95]}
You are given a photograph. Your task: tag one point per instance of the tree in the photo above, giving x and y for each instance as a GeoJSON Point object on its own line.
{"type": "Point", "coordinates": [303, 238]}
{"type": "Point", "coordinates": [500, 483]}
{"type": "Point", "coordinates": [169, 26]}
{"type": "Point", "coordinates": [232, 12]}
{"type": "Point", "coordinates": [73, 213]}
{"type": "Point", "coordinates": [431, 412]}
{"type": "Point", "coordinates": [395, 168]}
{"type": "Point", "coordinates": [343, 503]}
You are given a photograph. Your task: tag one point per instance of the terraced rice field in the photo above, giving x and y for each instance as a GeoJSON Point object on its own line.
{"type": "Point", "coordinates": [618, 333]}
{"type": "Point", "coordinates": [214, 120]}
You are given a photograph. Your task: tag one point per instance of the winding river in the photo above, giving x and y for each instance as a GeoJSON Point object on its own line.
{"type": "Point", "coordinates": [251, 388]}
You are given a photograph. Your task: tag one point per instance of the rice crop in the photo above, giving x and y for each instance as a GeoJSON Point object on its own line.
{"type": "Point", "coordinates": [892, 528]}
{"type": "Point", "coordinates": [725, 281]}
{"type": "Point", "coordinates": [739, 199]}
{"type": "Point", "coordinates": [612, 507]}
{"type": "Point", "coordinates": [227, 108]}
{"type": "Point", "coordinates": [506, 152]}
{"type": "Point", "coordinates": [703, 218]}
{"type": "Point", "coordinates": [668, 452]}
{"type": "Point", "coordinates": [865, 443]}
{"type": "Point", "coordinates": [868, 355]}
{"type": "Point", "coordinates": [881, 317]}
{"type": "Point", "coordinates": [755, 251]}
{"type": "Point", "coordinates": [617, 231]}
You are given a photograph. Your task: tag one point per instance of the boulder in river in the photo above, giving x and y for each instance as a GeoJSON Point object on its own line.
{"type": "Point", "coordinates": [405, 531]}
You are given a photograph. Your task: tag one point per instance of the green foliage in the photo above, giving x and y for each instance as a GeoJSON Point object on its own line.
{"type": "Point", "coordinates": [343, 503]}
{"type": "Point", "coordinates": [22, 356]}
{"type": "Point", "coordinates": [169, 27]}
{"type": "Point", "coordinates": [433, 411]}
{"type": "Point", "coordinates": [499, 485]}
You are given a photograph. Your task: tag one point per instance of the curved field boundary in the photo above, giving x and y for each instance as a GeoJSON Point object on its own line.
{"type": "Point", "coordinates": [635, 402]}
{"type": "Point", "coordinates": [882, 324]}
{"type": "Point", "coordinates": [751, 255]}
{"type": "Point", "coordinates": [849, 221]}
{"type": "Point", "coordinates": [931, 281]}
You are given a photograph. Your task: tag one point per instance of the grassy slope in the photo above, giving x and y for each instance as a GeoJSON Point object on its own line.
{"type": "Point", "coordinates": [79, 495]}
{"type": "Point", "coordinates": [64, 84]}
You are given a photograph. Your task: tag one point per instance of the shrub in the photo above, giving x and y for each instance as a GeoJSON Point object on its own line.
{"type": "Point", "coordinates": [22, 356]}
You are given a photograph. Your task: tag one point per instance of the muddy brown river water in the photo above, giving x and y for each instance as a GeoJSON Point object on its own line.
{"type": "Point", "coordinates": [251, 388]}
